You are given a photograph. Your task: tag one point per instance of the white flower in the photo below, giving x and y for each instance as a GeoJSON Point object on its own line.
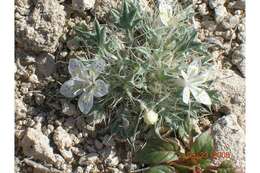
{"type": "Point", "coordinates": [192, 80]}
{"type": "Point", "coordinates": [165, 12]}
{"type": "Point", "coordinates": [84, 83]}
{"type": "Point", "coordinates": [150, 117]}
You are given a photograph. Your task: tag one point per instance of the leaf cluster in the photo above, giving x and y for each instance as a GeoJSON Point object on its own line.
{"type": "Point", "coordinates": [171, 155]}
{"type": "Point", "coordinates": [144, 60]}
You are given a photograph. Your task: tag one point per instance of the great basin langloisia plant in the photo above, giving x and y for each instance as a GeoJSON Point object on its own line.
{"type": "Point", "coordinates": [145, 68]}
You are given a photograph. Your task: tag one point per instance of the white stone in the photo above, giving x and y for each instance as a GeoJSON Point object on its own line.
{"type": "Point", "coordinates": [62, 138]}
{"type": "Point", "coordinates": [232, 87]}
{"type": "Point", "coordinates": [89, 158]}
{"type": "Point", "coordinates": [220, 13]}
{"type": "Point", "coordinates": [35, 144]}
{"type": "Point", "coordinates": [229, 137]}
{"type": "Point", "coordinates": [20, 109]}
{"type": "Point", "coordinates": [214, 3]}
{"type": "Point", "coordinates": [82, 5]}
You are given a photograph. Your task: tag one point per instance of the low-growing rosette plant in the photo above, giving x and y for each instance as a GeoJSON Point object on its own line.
{"type": "Point", "coordinates": [145, 71]}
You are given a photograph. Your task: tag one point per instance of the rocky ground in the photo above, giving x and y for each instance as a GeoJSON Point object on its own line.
{"type": "Point", "coordinates": [52, 136]}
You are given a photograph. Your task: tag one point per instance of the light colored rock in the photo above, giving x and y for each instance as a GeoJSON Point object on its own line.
{"type": "Point", "coordinates": [238, 58]}
{"type": "Point", "coordinates": [242, 37]}
{"type": "Point", "coordinates": [121, 166]}
{"type": "Point", "coordinates": [131, 166]}
{"type": "Point", "coordinates": [67, 155]}
{"type": "Point", "coordinates": [35, 144]}
{"type": "Point", "coordinates": [214, 3]}
{"type": "Point", "coordinates": [79, 170]}
{"type": "Point", "coordinates": [60, 162]}
{"type": "Point", "coordinates": [64, 142]}
{"type": "Point", "coordinates": [33, 78]}
{"type": "Point", "coordinates": [40, 25]}
{"type": "Point", "coordinates": [112, 161]}
{"type": "Point", "coordinates": [39, 98]}
{"type": "Point", "coordinates": [20, 109]}
{"type": "Point", "coordinates": [229, 137]}
{"type": "Point", "coordinates": [82, 5]}
{"type": "Point", "coordinates": [110, 157]}
{"type": "Point", "coordinates": [229, 35]}
{"type": "Point", "coordinates": [144, 4]}
{"type": "Point", "coordinates": [46, 64]}
{"type": "Point", "coordinates": [78, 151]}
{"type": "Point", "coordinates": [202, 8]}
{"type": "Point", "coordinates": [231, 22]}
{"type": "Point", "coordinates": [89, 158]}
{"type": "Point", "coordinates": [220, 13]}
{"type": "Point", "coordinates": [89, 168]}
{"type": "Point", "coordinates": [62, 138]}
{"type": "Point", "coordinates": [239, 5]}
{"type": "Point", "coordinates": [232, 87]}
{"type": "Point", "coordinates": [114, 170]}
{"type": "Point", "coordinates": [39, 168]}
{"type": "Point", "coordinates": [215, 41]}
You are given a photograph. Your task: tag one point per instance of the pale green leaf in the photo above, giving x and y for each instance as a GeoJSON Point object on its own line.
{"type": "Point", "coordinates": [101, 88]}
{"type": "Point", "coordinates": [203, 143]}
{"type": "Point", "coordinates": [186, 95]}
{"type": "Point", "coordinates": [161, 169]}
{"type": "Point", "coordinates": [200, 95]}
{"type": "Point", "coordinates": [85, 102]}
{"type": "Point", "coordinates": [71, 88]}
{"type": "Point", "coordinates": [75, 67]}
{"type": "Point", "coordinates": [158, 151]}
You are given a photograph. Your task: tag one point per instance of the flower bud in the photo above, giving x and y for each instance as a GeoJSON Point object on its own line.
{"type": "Point", "coordinates": [150, 117]}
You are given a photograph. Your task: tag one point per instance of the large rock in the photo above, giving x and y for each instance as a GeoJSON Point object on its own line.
{"type": "Point", "coordinates": [39, 24]}
{"type": "Point", "coordinates": [35, 144]}
{"type": "Point", "coordinates": [231, 87]}
{"type": "Point", "coordinates": [229, 137]}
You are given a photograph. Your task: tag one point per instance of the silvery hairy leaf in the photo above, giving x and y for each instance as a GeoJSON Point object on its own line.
{"type": "Point", "coordinates": [85, 102]}
{"type": "Point", "coordinates": [75, 67]}
{"type": "Point", "coordinates": [71, 88]}
{"type": "Point", "coordinates": [200, 95]}
{"type": "Point", "coordinates": [101, 88]}
{"type": "Point", "coordinates": [165, 12]}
